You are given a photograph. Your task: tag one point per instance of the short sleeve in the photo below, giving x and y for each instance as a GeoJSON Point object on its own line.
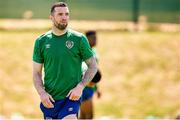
{"type": "Point", "coordinates": [37, 55]}
{"type": "Point", "coordinates": [85, 49]}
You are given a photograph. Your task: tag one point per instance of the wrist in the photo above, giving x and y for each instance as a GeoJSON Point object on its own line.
{"type": "Point", "coordinates": [81, 85]}
{"type": "Point", "coordinates": [42, 92]}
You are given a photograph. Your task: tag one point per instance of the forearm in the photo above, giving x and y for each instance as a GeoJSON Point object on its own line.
{"type": "Point", "coordinates": [91, 71]}
{"type": "Point", "coordinates": [38, 83]}
{"type": "Point", "coordinates": [76, 92]}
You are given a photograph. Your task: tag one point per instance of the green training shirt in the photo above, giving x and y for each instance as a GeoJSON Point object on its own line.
{"type": "Point", "coordinates": [62, 57]}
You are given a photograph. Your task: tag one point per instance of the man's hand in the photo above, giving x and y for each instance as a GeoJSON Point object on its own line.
{"type": "Point", "coordinates": [47, 100]}
{"type": "Point", "coordinates": [76, 92]}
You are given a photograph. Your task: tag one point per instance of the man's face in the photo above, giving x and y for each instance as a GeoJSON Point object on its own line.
{"type": "Point", "coordinates": [60, 17]}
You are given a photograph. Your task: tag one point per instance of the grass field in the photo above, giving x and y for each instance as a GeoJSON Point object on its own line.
{"type": "Point", "coordinates": [140, 74]}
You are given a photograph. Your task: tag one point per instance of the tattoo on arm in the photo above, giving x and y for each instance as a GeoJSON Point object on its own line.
{"type": "Point", "coordinates": [91, 71]}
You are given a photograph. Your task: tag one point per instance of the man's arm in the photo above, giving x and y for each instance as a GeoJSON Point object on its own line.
{"type": "Point", "coordinates": [76, 92]}
{"type": "Point", "coordinates": [38, 83]}
{"type": "Point", "coordinates": [91, 71]}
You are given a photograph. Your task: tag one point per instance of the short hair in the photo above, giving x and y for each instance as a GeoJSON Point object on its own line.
{"type": "Point", "coordinates": [58, 4]}
{"type": "Point", "coordinates": [90, 32]}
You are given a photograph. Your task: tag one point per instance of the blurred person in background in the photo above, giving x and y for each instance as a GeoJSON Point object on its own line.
{"type": "Point", "coordinates": [86, 108]}
{"type": "Point", "coordinates": [61, 52]}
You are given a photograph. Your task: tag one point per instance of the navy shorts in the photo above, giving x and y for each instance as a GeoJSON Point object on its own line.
{"type": "Point", "coordinates": [87, 93]}
{"type": "Point", "coordinates": [61, 109]}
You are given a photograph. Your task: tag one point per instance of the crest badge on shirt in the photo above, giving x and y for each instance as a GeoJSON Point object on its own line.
{"type": "Point", "coordinates": [69, 44]}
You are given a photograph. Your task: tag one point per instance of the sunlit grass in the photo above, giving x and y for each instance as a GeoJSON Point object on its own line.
{"type": "Point", "coordinates": [140, 74]}
{"type": "Point", "coordinates": [16, 65]}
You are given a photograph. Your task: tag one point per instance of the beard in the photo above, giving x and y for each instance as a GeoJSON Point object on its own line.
{"type": "Point", "coordinates": [60, 26]}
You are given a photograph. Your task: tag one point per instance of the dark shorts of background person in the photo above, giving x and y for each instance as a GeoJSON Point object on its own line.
{"type": "Point", "coordinates": [87, 93]}
{"type": "Point", "coordinates": [61, 109]}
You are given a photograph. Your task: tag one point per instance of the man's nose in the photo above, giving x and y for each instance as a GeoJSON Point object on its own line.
{"type": "Point", "coordinates": [64, 17]}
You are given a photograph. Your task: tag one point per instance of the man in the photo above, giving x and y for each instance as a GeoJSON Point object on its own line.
{"type": "Point", "coordinates": [86, 108]}
{"type": "Point", "coordinates": [61, 52]}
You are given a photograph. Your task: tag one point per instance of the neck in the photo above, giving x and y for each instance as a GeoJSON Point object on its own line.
{"type": "Point", "coordinates": [58, 32]}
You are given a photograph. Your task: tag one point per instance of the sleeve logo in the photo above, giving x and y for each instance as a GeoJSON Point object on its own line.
{"type": "Point", "coordinates": [48, 46]}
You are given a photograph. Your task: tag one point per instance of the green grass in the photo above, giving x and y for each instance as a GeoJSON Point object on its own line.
{"type": "Point", "coordinates": [140, 74]}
